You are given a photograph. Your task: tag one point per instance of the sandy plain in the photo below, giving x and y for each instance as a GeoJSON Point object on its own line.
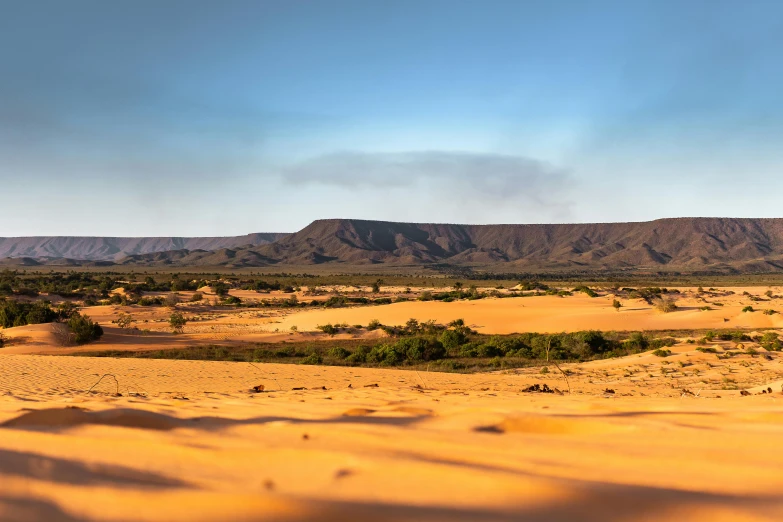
{"type": "Point", "coordinates": [636, 438]}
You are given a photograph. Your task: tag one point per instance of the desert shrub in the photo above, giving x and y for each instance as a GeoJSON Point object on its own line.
{"type": "Point", "coordinates": [771, 341]}
{"type": "Point", "coordinates": [220, 288]}
{"type": "Point", "coordinates": [359, 356]}
{"type": "Point", "coordinates": [338, 352]}
{"type": "Point", "coordinates": [421, 348]}
{"type": "Point", "coordinates": [125, 320]}
{"type": "Point", "coordinates": [452, 339]}
{"type": "Point", "coordinates": [385, 354]}
{"type": "Point", "coordinates": [587, 290]}
{"type": "Point", "coordinates": [172, 300]}
{"type": "Point", "coordinates": [425, 296]}
{"type": "Point", "coordinates": [2, 340]}
{"type": "Point", "coordinates": [14, 313]}
{"type": "Point", "coordinates": [770, 312]}
{"type": "Point", "coordinates": [660, 352]}
{"type": "Point", "coordinates": [177, 322]}
{"type": "Point", "coordinates": [231, 300]}
{"type": "Point", "coordinates": [636, 342]}
{"type": "Point", "coordinates": [748, 309]}
{"type": "Point", "coordinates": [327, 329]}
{"type": "Point", "coordinates": [313, 358]}
{"type": "Point", "coordinates": [708, 349]}
{"type": "Point", "coordinates": [198, 296]}
{"type": "Point", "coordinates": [83, 329]}
{"type": "Point", "coordinates": [616, 304]}
{"type": "Point", "coordinates": [662, 342]}
{"type": "Point", "coordinates": [665, 304]}
{"type": "Point", "coordinates": [374, 325]}
{"type": "Point", "coordinates": [335, 302]}
{"type": "Point", "coordinates": [150, 301]}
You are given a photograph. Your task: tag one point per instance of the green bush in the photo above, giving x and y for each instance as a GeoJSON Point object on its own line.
{"type": "Point", "coordinates": [83, 329]}
{"type": "Point", "coordinates": [660, 352]}
{"type": "Point", "coordinates": [313, 358]}
{"type": "Point", "coordinates": [338, 352]}
{"type": "Point", "coordinates": [451, 339]}
{"type": "Point", "coordinates": [177, 322]}
{"type": "Point", "coordinates": [14, 313]}
{"type": "Point", "coordinates": [327, 329]}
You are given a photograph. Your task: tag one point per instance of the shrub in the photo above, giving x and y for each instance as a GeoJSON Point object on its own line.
{"type": "Point", "coordinates": [2, 340]}
{"type": "Point", "coordinates": [231, 300]}
{"type": "Point", "coordinates": [662, 342]}
{"type": "Point", "coordinates": [452, 339]}
{"type": "Point", "coordinates": [327, 329]}
{"type": "Point", "coordinates": [125, 320]}
{"type": "Point", "coordinates": [771, 341]}
{"type": "Point", "coordinates": [617, 305]}
{"type": "Point", "coordinates": [421, 349]}
{"type": "Point", "coordinates": [748, 309]}
{"type": "Point", "coordinates": [313, 358]}
{"type": "Point", "coordinates": [660, 352]}
{"type": "Point", "coordinates": [14, 313]}
{"type": "Point", "coordinates": [338, 352]}
{"type": "Point", "coordinates": [587, 290]}
{"type": "Point", "coordinates": [172, 300]}
{"type": "Point", "coordinates": [220, 288]}
{"type": "Point", "coordinates": [198, 296]}
{"type": "Point", "coordinates": [83, 329]}
{"type": "Point", "coordinates": [665, 304]}
{"type": "Point", "coordinates": [150, 301]}
{"type": "Point", "coordinates": [177, 322]}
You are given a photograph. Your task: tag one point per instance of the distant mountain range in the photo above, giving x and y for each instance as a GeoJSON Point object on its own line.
{"type": "Point", "coordinates": [116, 248]}
{"type": "Point", "coordinates": [686, 244]}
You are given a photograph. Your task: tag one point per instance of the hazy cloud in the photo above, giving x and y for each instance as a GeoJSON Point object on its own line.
{"type": "Point", "coordinates": [500, 178]}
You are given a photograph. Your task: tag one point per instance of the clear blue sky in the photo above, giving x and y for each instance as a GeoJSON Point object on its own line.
{"type": "Point", "coordinates": [223, 117]}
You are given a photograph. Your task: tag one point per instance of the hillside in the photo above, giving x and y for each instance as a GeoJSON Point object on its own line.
{"type": "Point", "coordinates": [114, 248]}
{"type": "Point", "coordinates": [690, 244]}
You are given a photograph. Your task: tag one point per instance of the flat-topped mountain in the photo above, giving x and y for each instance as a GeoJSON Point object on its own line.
{"type": "Point", "coordinates": [114, 248]}
{"type": "Point", "coordinates": [744, 244]}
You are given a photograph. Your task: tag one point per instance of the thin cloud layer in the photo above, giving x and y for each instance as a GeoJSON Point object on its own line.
{"type": "Point", "coordinates": [501, 178]}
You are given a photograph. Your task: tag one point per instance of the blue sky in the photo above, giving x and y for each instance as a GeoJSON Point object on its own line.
{"type": "Point", "coordinates": [223, 118]}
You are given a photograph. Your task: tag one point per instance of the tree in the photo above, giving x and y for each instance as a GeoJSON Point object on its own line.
{"type": "Point", "coordinates": [220, 288]}
{"type": "Point", "coordinates": [125, 320]}
{"type": "Point", "coordinates": [376, 286]}
{"type": "Point", "coordinates": [617, 305]}
{"type": "Point", "coordinates": [177, 322]}
{"type": "Point", "coordinates": [457, 286]}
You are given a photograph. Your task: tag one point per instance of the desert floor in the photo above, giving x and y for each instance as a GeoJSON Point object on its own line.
{"type": "Point", "coordinates": [187, 440]}
{"type": "Point", "coordinates": [688, 437]}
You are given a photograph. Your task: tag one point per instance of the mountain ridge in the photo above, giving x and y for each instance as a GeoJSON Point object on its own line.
{"type": "Point", "coordinates": [100, 248]}
{"type": "Point", "coordinates": [743, 244]}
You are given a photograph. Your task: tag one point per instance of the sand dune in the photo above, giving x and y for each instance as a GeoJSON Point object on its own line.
{"type": "Point", "coordinates": [186, 440]}
{"type": "Point", "coordinates": [551, 314]}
